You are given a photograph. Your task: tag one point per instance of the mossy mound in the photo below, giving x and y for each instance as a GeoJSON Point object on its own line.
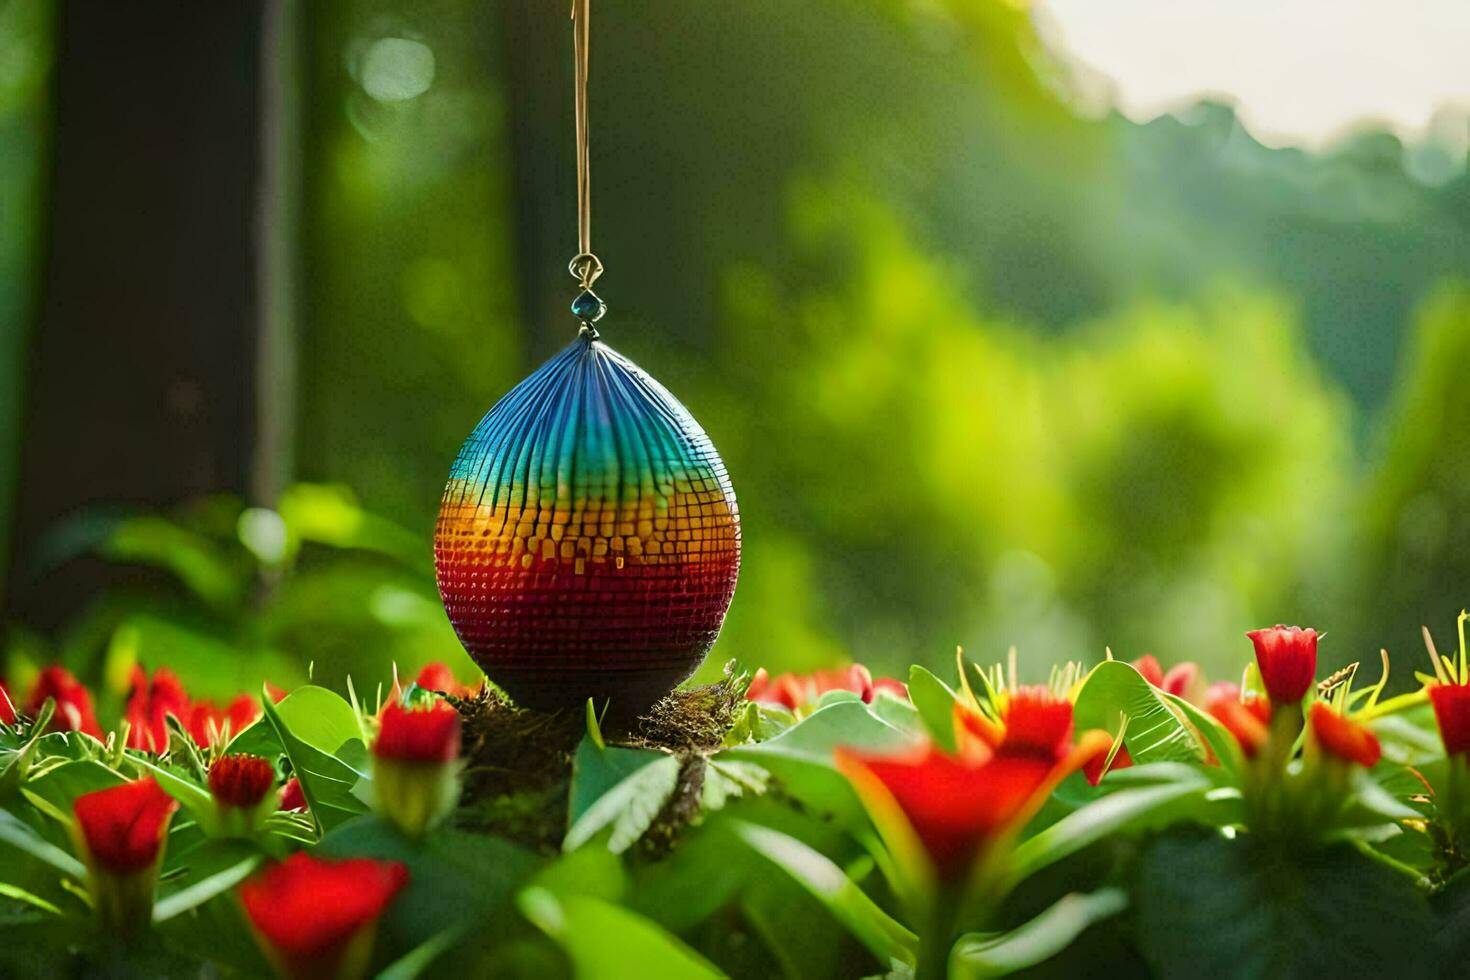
{"type": "Point", "coordinates": [518, 761]}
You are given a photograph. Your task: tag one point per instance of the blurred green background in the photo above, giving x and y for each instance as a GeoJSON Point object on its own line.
{"type": "Point", "coordinates": [986, 369]}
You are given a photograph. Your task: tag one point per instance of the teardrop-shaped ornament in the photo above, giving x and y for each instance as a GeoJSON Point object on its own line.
{"type": "Point", "coordinates": [588, 541]}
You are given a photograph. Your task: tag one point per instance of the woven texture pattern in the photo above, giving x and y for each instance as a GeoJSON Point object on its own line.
{"type": "Point", "coordinates": [588, 541]}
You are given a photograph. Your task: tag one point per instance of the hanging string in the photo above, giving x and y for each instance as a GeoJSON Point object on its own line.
{"type": "Point", "coordinates": [585, 267]}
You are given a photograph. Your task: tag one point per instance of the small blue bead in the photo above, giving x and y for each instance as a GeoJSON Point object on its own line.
{"type": "Point", "coordinates": [588, 306]}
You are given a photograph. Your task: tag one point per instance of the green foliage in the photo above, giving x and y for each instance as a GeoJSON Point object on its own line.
{"type": "Point", "coordinates": [767, 864]}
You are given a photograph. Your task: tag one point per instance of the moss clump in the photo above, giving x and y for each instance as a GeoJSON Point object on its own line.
{"type": "Point", "coordinates": [519, 761]}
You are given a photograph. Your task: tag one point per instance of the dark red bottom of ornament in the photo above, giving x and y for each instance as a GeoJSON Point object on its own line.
{"type": "Point", "coordinates": [551, 637]}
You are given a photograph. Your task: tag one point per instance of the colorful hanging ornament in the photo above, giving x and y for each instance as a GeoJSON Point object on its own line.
{"type": "Point", "coordinates": [588, 541]}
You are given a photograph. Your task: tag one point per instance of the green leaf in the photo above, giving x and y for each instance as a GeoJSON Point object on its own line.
{"type": "Point", "coordinates": [725, 780]}
{"type": "Point", "coordinates": [619, 788]}
{"type": "Point", "coordinates": [417, 960]}
{"type": "Point", "coordinates": [326, 782]}
{"type": "Point", "coordinates": [603, 940]}
{"type": "Point", "coordinates": [1038, 940]}
{"type": "Point", "coordinates": [196, 561]}
{"type": "Point", "coordinates": [1213, 906]}
{"type": "Point", "coordinates": [870, 925]}
{"type": "Point", "coordinates": [194, 798]}
{"type": "Point", "coordinates": [801, 757]}
{"type": "Point", "coordinates": [60, 785]}
{"type": "Point", "coordinates": [214, 868]}
{"type": "Point", "coordinates": [22, 837]}
{"type": "Point", "coordinates": [321, 718]}
{"type": "Point", "coordinates": [934, 701]}
{"type": "Point", "coordinates": [1130, 809]}
{"type": "Point", "coordinates": [899, 713]}
{"type": "Point", "coordinates": [1220, 741]}
{"type": "Point", "coordinates": [1156, 733]}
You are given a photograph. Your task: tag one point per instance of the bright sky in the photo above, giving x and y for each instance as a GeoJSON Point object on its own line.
{"type": "Point", "coordinates": [1299, 71]}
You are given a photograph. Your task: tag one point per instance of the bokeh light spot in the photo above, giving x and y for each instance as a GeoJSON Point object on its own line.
{"type": "Point", "coordinates": [395, 69]}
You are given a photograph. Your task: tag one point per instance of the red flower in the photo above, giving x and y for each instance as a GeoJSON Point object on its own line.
{"type": "Point", "coordinates": [1093, 768]}
{"type": "Point", "coordinates": [1287, 656]}
{"type": "Point", "coordinates": [1344, 738]}
{"type": "Point", "coordinates": [1182, 679]}
{"type": "Point", "coordinates": [208, 720]}
{"type": "Point", "coordinates": [959, 805]}
{"type": "Point", "coordinates": [438, 677]}
{"type": "Point", "coordinates": [1246, 719]}
{"type": "Point", "coordinates": [293, 800]}
{"type": "Point", "coordinates": [1033, 721]}
{"type": "Point", "coordinates": [795, 691]}
{"type": "Point", "coordinates": [149, 706]}
{"type": "Point", "coordinates": [7, 706]}
{"type": "Point", "coordinates": [892, 685]}
{"type": "Point", "coordinates": [241, 780]}
{"type": "Point", "coordinates": [418, 734]}
{"type": "Point", "coordinates": [122, 828]}
{"type": "Point", "coordinates": [316, 917]}
{"type": "Point", "coordinates": [1148, 666]}
{"type": "Point", "coordinates": [73, 702]}
{"type": "Point", "coordinates": [1452, 712]}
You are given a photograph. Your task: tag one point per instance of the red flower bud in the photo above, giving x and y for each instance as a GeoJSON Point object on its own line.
{"type": "Point", "coordinates": [293, 800]}
{"type": "Point", "coordinates": [122, 829]}
{"type": "Point", "coordinates": [7, 706]}
{"type": "Point", "coordinates": [73, 702]}
{"type": "Point", "coordinates": [418, 734]}
{"type": "Point", "coordinates": [1340, 736]}
{"type": "Point", "coordinates": [1452, 712]}
{"type": "Point", "coordinates": [1148, 666]}
{"type": "Point", "coordinates": [1287, 656]}
{"type": "Point", "coordinates": [1247, 719]}
{"type": "Point", "coordinates": [317, 918]}
{"type": "Point", "coordinates": [149, 706]}
{"type": "Point", "coordinates": [241, 780]}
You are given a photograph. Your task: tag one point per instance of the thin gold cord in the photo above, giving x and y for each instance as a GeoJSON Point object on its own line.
{"type": "Point", "coordinates": [585, 266]}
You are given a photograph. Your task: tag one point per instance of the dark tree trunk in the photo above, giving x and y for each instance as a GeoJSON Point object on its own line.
{"type": "Point", "coordinates": [142, 373]}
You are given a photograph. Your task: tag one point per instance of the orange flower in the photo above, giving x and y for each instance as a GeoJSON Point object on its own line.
{"type": "Point", "coordinates": [1287, 656]}
{"type": "Point", "coordinates": [1340, 736]}
{"type": "Point", "coordinates": [317, 918]}
{"type": "Point", "coordinates": [1452, 713]}
{"type": "Point", "coordinates": [73, 702]}
{"type": "Point", "coordinates": [1245, 718]}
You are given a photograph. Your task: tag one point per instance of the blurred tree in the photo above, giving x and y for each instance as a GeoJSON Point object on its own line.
{"type": "Point", "coordinates": [1414, 564]}
{"type": "Point", "coordinates": [141, 371]}
{"type": "Point", "coordinates": [1158, 480]}
{"type": "Point", "coordinates": [25, 51]}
